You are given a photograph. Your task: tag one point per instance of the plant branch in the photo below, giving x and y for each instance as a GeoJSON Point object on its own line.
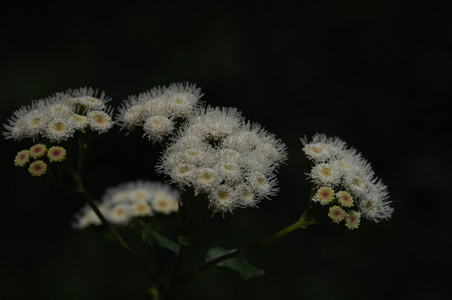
{"type": "Point", "coordinates": [301, 223]}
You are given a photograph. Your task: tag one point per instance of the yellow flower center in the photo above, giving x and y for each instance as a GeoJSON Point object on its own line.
{"type": "Point", "coordinates": [206, 176]}
{"type": "Point", "coordinates": [315, 149]}
{"type": "Point", "coordinates": [59, 126]}
{"type": "Point", "coordinates": [224, 195]}
{"type": "Point", "coordinates": [327, 172]}
{"type": "Point", "coordinates": [101, 120]}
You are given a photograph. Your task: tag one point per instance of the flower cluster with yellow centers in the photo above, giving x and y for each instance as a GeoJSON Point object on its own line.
{"type": "Point", "coordinates": [216, 152]}
{"type": "Point", "coordinates": [37, 153]}
{"type": "Point", "coordinates": [58, 117]}
{"type": "Point", "coordinates": [157, 110]}
{"type": "Point", "coordinates": [130, 200]}
{"type": "Point", "coordinates": [343, 179]}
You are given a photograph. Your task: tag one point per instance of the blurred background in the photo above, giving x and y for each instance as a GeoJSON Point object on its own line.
{"type": "Point", "coordinates": [374, 73]}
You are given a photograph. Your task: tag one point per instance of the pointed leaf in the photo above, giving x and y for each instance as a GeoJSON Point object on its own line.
{"type": "Point", "coordinates": [237, 264]}
{"type": "Point", "coordinates": [182, 241]}
{"type": "Point", "coordinates": [160, 246]}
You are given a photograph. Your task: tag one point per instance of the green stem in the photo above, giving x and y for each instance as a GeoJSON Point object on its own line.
{"type": "Point", "coordinates": [301, 223]}
{"type": "Point", "coordinates": [79, 188]}
{"type": "Point", "coordinates": [86, 196]}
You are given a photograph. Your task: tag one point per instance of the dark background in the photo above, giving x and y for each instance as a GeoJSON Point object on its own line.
{"type": "Point", "coordinates": [374, 73]}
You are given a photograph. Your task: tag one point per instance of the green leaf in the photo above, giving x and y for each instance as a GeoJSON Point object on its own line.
{"type": "Point", "coordinates": [237, 264]}
{"type": "Point", "coordinates": [182, 241]}
{"type": "Point", "coordinates": [162, 247]}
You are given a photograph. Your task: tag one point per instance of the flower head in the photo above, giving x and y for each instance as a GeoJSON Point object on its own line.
{"type": "Point", "coordinates": [158, 109]}
{"type": "Point", "coordinates": [130, 200]}
{"type": "Point", "coordinates": [57, 117]}
{"type": "Point", "coordinates": [99, 121]}
{"type": "Point", "coordinates": [22, 158]}
{"type": "Point", "coordinates": [38, 150]}
{"type": "Point", "coordinates": [217, 153]}
{"type": "Point", "coordinates": [349, 179]}
{"type": "Point", "coordinates": [336, 213]}
{"type": "Point", "coordinates": [352, 220]}
{"type": "Point", "coordinates": [56, 154]}
{"type": "Point", "coordinates": [344, 199]}
{"type": "Point", "coordinates": [37, 168]}
{"type": "Point", "coordinates": [324, 195]}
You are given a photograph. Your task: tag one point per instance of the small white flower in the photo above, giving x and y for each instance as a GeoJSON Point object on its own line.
{"type": "Point", "coordinates": [130, 116]}
{"type": "Point", "coordinates": [86, 99]}
{"type": "Point", "coordinates": [206, 180]}
{"type": "Point", "coordinates": [182, 99]}
{"type": "Point", "coordinates": [120, 214]}
{"type": "Point", "coordinates": [223, 199]}
{"type": "Point", "coordinates": [228, 171]}
{"type": "Point", "coordinates": [245, 195]}
{"type": "Point", "coordinates": [165, 202]}
{"type": "Point", "coordinates": [99, 121]}
{"type": "Point", "coordinates": [36, 122]}
{"type": "Point", "coordinates": [262, 185]}
{"type": "Point", "coordinates": [184, 174]}
{"type": "Point", "coordinates": [59, 130]}
{"type": "Point", "coordinates": [325, 174]}
{"type": "Point", "coordinates": [79, 122]}
{"type": "Point", "coordinates": [142, 209]}
{"type": "Point", "coordinates": [323, 148]}
{"type": "Point", "coordinates": [157, 127]}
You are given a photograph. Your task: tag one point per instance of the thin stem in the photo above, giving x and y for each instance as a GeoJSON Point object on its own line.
{"type": "Point", "coordinates": [301, 223]}
{"type": "Point", "coordinates": [82, 191]}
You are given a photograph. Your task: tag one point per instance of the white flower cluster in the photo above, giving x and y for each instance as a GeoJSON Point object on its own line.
{"type": "Point", "coordinates": [133, 199]}
{"type": "Point", "coordinates": [216, 152]}
{"type": "Point", "coordinates": [156, 110]}
{"type": "Point", "coordinates": [58, 117]}
{"type": "Point", "coordinates": [342, 176]}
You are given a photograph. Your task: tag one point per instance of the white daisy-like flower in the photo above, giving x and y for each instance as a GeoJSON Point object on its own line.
{"type": "Point", "coordinates": [120, 214]}
{"type": "Point", "coordinates": [36, 122]}
{"type": "Point", "coordinates": [245, 195]}
{"type": "Point", "coordinates": [99, 121]}
{"type": "Point", "coordinates": [325, 174]}
{"type": "Point", "coordinates": [142, 209]}
{"type": "Point", "coordinates": [59, 130]}
{"type": "Point", "coordinates": [228, 171]}
{"type": "Point", "coordinates": [85, 99]}
{"type": "Point", "coordinates": [206, 180]}
{"type": "Point", "coordinates": [374, 205]}
{"type": "Point", "coordinates": [184, 175]}
{"type": "Point", "coordinates": [157, 127]}
{"type": "Point", "coordinates": [182, 99]}
{"type": "Point", "coordinates": [223, 199]}
{"type": "Point", "coordinates": [323, 148]}
{"type": "Point", "coordinates": [165, 202]}
{"type": "Point", "coordinates": [130, 116]}
{"type": "Point", "coordinates": [79, 122]}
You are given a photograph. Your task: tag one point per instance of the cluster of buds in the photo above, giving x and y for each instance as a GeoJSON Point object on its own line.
{"type": "Point", "coordinates": [344, 182]}
{"type": "Point", "coordinates": [130, 200]}
{"type": "Point", "coordinates": [36, 156]}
